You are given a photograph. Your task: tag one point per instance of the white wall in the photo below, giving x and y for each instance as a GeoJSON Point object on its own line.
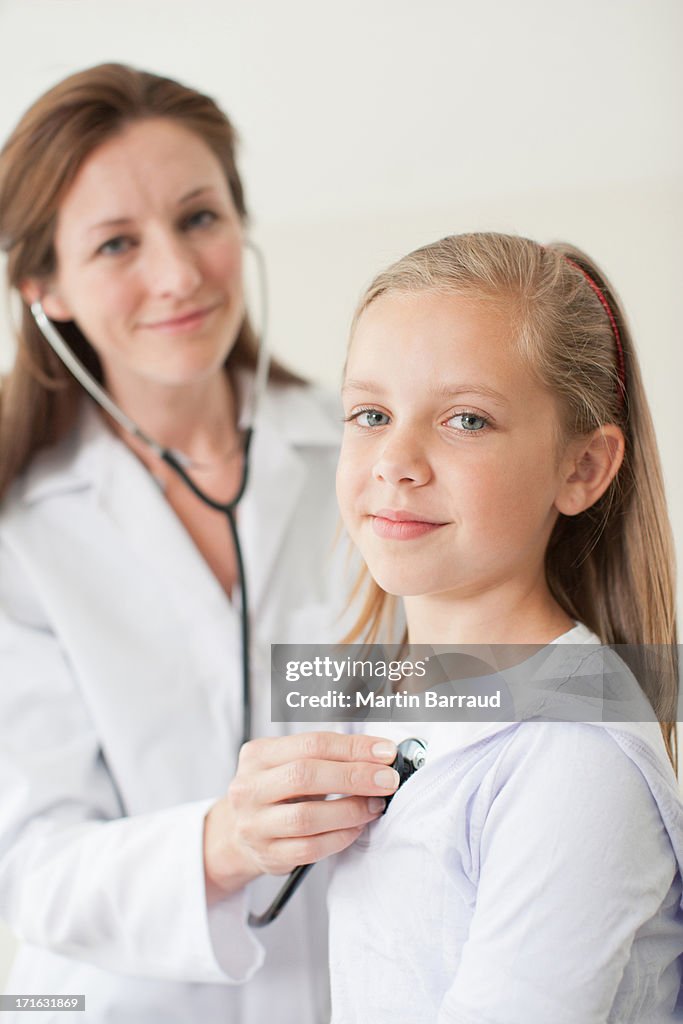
{"type": "Point", "coordinates": [375, 125]}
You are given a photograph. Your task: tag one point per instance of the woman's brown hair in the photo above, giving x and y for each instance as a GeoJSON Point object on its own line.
{"type": "Point", "coordinates": [612, 566]}
{"type": "Point", "coordinates": [38, 164]}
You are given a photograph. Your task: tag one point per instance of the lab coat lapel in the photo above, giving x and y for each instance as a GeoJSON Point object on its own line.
{"type": "Point", "coordinates": [130, 497]}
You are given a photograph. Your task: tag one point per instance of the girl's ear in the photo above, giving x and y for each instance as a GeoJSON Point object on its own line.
{"type": "Point", "coordinates": [35, 289]}
{"type": "Point", "coordinates": [589, 468]}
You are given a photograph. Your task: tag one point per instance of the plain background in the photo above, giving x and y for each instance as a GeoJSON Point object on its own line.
{"type": "Point", "coordinates": [373, 126]}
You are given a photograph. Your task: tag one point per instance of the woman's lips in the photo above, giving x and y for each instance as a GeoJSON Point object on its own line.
{"type": "Point", "coordinates": [401, 526]}
{"type": "Point", "coordinates": [186, 322]}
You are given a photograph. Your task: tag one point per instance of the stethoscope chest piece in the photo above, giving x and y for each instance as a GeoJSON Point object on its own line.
{"type": "Point", "coordinates": [410, 757]}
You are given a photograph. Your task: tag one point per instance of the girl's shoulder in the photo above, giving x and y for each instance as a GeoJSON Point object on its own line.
{"type": "Point", "coordinates": [591, 776]}
{"type": "Point", "coordinates": [575, 757]}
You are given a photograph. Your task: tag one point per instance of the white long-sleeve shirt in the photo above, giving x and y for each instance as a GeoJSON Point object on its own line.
{"type": "Point", "coordinates": [528, 874]}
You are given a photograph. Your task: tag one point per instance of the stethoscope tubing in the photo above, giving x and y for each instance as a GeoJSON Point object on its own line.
{"type": "Point", "coordinates": [229, 509]}
{"type": "Point", "coordinates": [294, 880]}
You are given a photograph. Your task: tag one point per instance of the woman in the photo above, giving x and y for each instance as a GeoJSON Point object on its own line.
{"type": "Point", "coordinates": [128, 857]}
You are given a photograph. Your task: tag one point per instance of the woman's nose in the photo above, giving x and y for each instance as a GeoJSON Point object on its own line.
{"type": "Point", "coordinates": [171, 267]}
{"type": "Point", "coordinates": [402, 461]}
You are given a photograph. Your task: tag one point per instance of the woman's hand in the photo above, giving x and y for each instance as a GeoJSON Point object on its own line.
{"type": "Point", "coordinates": [275, 816]}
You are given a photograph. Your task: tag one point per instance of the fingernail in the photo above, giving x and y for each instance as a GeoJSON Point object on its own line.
{"type": "Point", "coordinates": [386, 778]}
{"type": "Point", "coordinates": [376, 804]}
{"type": "Point", "coordinates": [384, 750]}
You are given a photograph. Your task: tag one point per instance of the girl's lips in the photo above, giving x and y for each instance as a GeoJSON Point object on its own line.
{"type": "Point", "coordinates": [402, 529]}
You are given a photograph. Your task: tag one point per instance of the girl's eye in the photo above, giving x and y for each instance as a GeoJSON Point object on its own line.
{"type": "Point", "coordinates": [470, 422]}
{"type": "Point", "coordinates": [369, 418]}
{"type": "Point", "coordinates": [116, 246]}
{"type": "Point", "coordinates": [201, 219]}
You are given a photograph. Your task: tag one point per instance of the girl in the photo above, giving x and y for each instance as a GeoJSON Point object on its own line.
{"type": "Point", "coordinates": [499, 472]}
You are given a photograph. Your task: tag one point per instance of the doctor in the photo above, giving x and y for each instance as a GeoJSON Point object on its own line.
{"type": "Point", "coordinates": [131, 846]}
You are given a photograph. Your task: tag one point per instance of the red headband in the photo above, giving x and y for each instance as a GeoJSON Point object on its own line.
{"type": "Point", "coordinates": [613, 321]}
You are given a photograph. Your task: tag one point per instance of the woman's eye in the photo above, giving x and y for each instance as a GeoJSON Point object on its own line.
{"type": "Point", "coordinates": [200, 219]}
{"type": "Point", "coordinates": [469, 422]}
{"type": "Point", "coordinates": [370, 418]}
{"type": "Point", "coordinates": [116, 246]}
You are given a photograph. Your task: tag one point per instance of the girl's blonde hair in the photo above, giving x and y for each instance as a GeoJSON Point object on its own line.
{"type": "Point", "coordinates": [38, 164]}
{"type": "Point", "coordinates": [612, 566]}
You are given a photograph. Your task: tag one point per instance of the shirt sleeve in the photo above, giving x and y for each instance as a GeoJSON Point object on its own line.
{"type": "Point", "coordinates": [76, 875]}
{"type": "Point", "coordinates": [572, 857]}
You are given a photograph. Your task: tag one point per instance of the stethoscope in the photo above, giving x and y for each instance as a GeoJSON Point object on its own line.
{"type": "Point", "coordinates": [408, 761]}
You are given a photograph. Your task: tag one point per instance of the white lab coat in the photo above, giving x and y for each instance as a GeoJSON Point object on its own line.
{"type": "Point", "coordinates": [120, 718]}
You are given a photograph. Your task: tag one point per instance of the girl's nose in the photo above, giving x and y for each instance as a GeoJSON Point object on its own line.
{"type": "Point", "coordinates": [402, 461]}
{"type": "Point", "coordinates": [171, 267]}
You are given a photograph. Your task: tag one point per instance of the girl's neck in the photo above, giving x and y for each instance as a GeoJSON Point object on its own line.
{"type": "Point", "coordinates": [511, 613]}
